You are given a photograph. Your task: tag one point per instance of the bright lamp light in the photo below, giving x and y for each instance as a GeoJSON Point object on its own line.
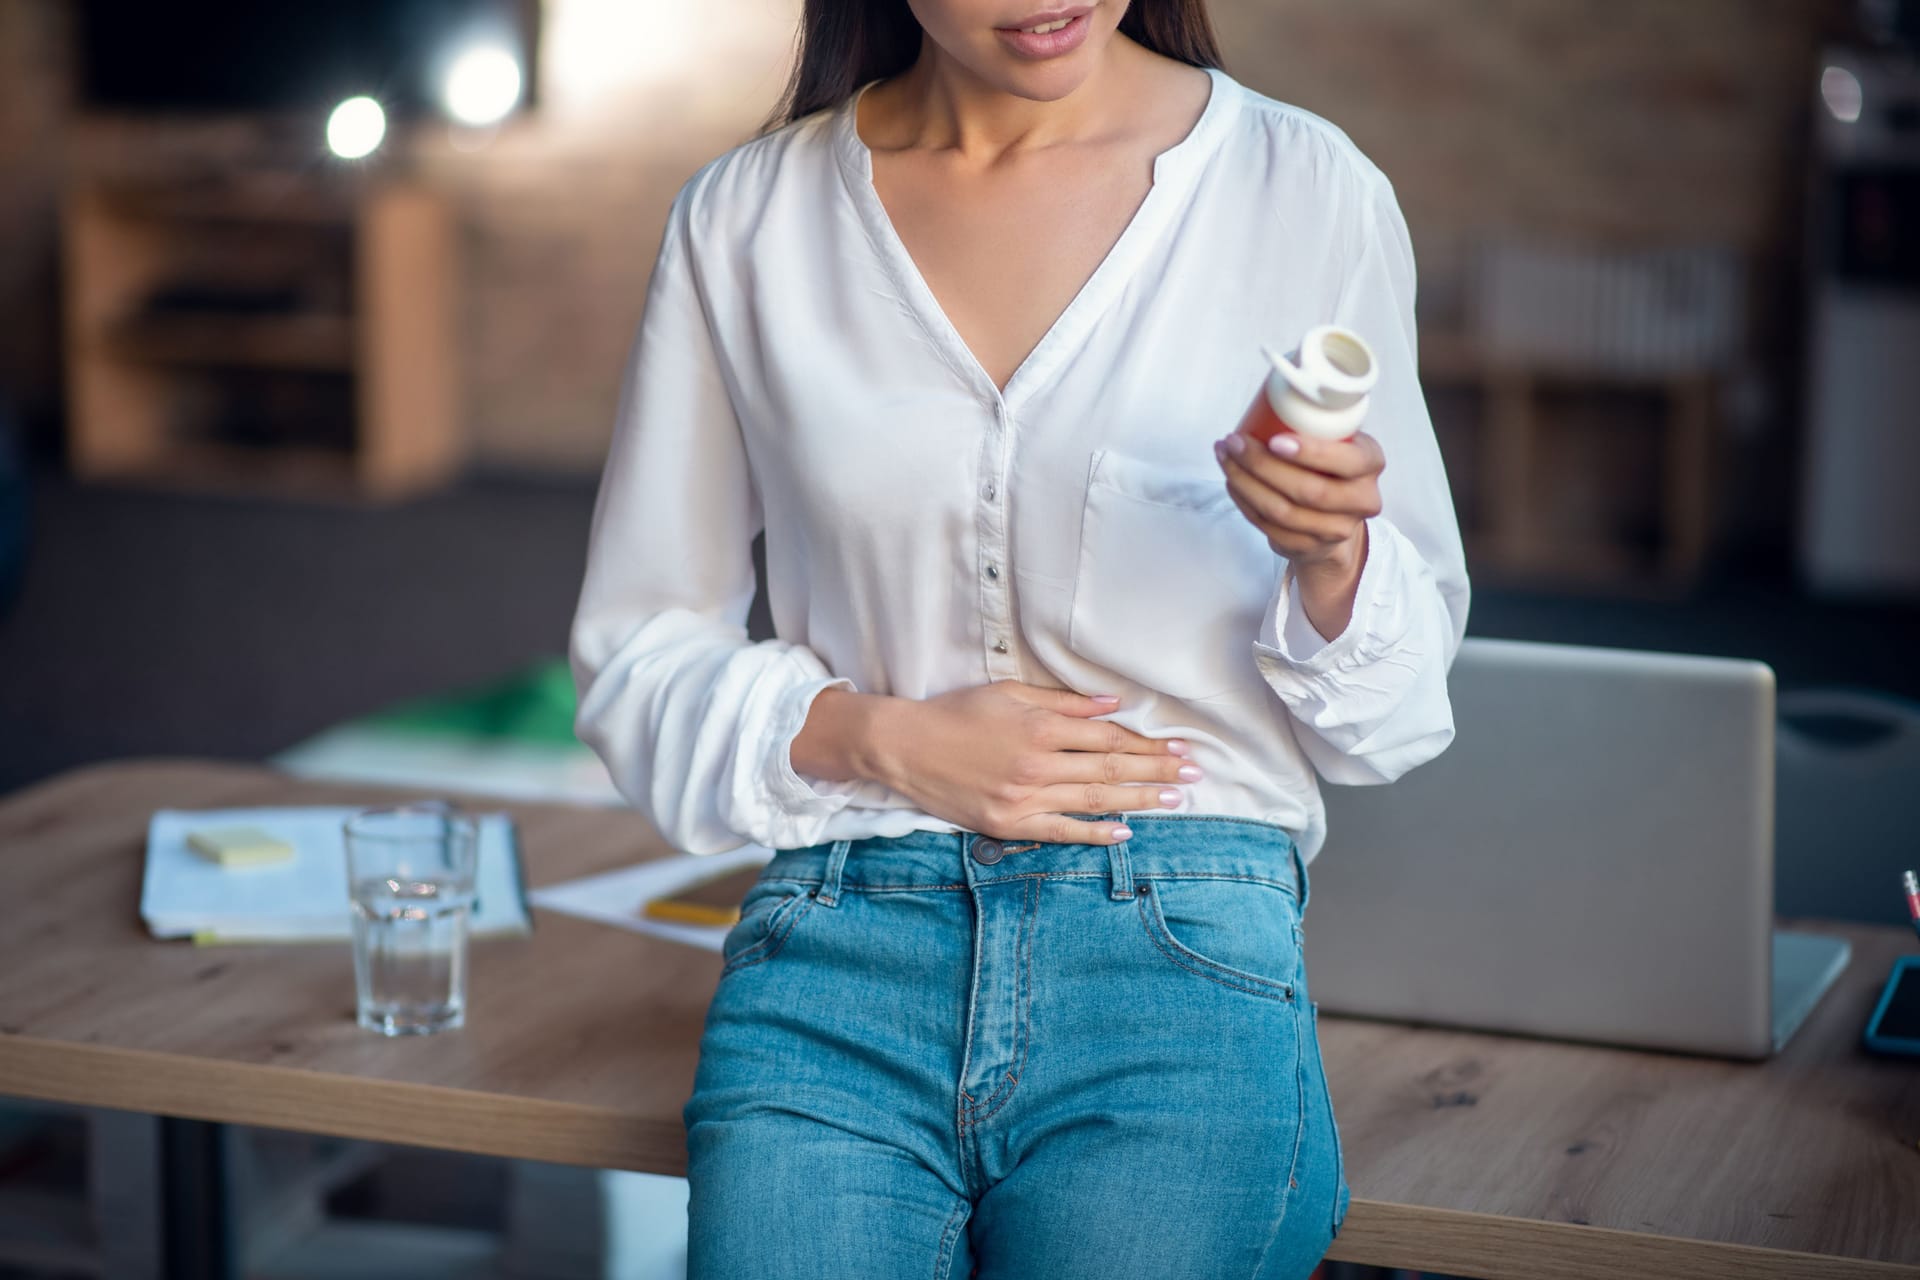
{"type": "Point", "coordinates": [355, 128]}
{"type": "Point", "coordinates": [482, 85]}
{"type": "Point", "coordinates": [1843, 94]}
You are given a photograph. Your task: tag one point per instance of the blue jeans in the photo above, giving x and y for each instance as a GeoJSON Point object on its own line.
{"type": "Point", "coordinates": [943, 1055]}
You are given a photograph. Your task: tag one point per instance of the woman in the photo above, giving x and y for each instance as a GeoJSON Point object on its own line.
{"type": "Point", "coordinates": [1020, 993]}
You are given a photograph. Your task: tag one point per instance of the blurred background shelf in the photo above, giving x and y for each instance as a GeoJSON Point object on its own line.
{"type": "Point", "coordinates": [1507, 472]}
{"type": "Point", "coordinates": [197, 315]}
{"type": "Point", "coordinates": [238, 198]}
{"type": "Point", "coordinates": [271, 342]}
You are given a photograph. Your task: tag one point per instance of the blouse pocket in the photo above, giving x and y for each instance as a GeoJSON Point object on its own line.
{"type": "Point", "coordinates": [1171, 579]}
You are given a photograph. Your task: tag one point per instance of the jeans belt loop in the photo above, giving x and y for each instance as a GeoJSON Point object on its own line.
{"type": "Point", "coordinates": [1119, 866]}
{"type": "Point", "coordinates": [1300, 880]}
{"type": "Point", "coordinates": [829, 891]}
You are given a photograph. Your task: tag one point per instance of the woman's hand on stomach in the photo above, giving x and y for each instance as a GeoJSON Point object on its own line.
{"type": "Point", "coordinates": [1006, 759]}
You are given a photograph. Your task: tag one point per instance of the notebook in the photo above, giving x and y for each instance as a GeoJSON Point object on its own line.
{"type": "Point", "coordinates": [305, 899]}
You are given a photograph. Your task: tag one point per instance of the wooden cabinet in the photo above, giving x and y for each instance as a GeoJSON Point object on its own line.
{"type": "Point", "coordinates": [283, 337]}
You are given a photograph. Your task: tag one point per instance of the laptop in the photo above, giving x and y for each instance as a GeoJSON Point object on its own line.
{"type": "Point", "coordinates": [1591, 859]}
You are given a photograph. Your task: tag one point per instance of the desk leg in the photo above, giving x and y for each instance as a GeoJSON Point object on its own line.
{"type": "Point", "coordinates": [198, 1230]}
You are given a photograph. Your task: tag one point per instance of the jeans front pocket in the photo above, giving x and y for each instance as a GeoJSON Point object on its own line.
{"type": "Point", "coordinates": [1239, 933]}
{"type": "Point", "coordinates": [768, 915]}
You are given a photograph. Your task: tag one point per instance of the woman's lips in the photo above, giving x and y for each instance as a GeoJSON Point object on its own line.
{"type": "Point", "coordinates": [1050, 45]}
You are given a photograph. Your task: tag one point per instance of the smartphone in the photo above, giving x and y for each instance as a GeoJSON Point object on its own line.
{"type": "Point", "coordinates": [1895, 1024]}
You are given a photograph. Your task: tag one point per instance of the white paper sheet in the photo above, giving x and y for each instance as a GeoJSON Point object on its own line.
{"type": "Point", "coordinates": [615, 897]}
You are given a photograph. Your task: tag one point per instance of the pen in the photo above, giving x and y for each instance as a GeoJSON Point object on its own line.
{"type": "Point", "coordinates": [689, 912]}
{"type": "Point", "coordinates": [1912, 883]}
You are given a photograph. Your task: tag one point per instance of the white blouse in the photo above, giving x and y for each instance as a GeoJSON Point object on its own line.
{"type": "Point", "coordinates": [927, 532]}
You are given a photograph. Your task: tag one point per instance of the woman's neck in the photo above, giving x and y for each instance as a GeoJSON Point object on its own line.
{"type": "Point", "coordinates": [938, 104]}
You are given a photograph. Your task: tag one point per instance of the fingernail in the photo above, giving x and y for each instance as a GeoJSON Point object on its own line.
{"type": "Point", "coordinates": [1191, 773]}
{"type": "Point", "coordinates": [1236, 445]}
{"type": "Point", "coordinates": [1112, 699]}
{"type": "Point", "coordinates": [1170, 798]}
{"type": "Point", "coordinates": [1220, 450]}
{"type": "Point", "coordinates": [1122, 833]}
{"type": "Point", "coordinates": [1285, 445]}
{"type": "Point", "coordinates": [1177, 745]}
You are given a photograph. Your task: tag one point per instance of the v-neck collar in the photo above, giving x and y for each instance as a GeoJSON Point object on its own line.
{"type": "Point", "coordinates": [1174, 171]}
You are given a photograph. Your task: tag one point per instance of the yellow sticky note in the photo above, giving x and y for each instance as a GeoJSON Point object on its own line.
{"type": "Point", "coordinates": [689, 912]}
{"type": "Point", "coordinates": [239, 846]}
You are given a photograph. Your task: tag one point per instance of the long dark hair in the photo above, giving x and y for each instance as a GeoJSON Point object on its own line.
{"type": "Point", "coordinates": [845, 43]}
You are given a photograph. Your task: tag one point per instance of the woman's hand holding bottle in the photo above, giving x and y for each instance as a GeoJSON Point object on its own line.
{"type": "Point", "coordinates": [1303, 473]}
{"type": "Point", "coordinates": [1006, 759]}
{"type": "Point", "coordinates": [1312, 499]}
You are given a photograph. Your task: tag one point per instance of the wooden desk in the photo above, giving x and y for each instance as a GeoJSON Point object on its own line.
{"type": "Point", "coordinates": [1476, 1155]}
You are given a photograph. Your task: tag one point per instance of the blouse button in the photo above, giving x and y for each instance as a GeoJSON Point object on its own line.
{"type": "Point", "coordinates": [993, 571]}
{"type": "Point", "coordinates": [999, 646]}
{"type": "Point", "coordinates": [990, 493]}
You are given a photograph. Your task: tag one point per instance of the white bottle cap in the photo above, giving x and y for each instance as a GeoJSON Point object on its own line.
{"type": "Point", "coordinates": [1321, 390]}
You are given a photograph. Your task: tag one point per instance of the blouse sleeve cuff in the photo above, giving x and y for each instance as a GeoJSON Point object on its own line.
{"type": "Point", "coordinates": [788, 790]}
{"type": "Point", "coordinates": [1289, 639]}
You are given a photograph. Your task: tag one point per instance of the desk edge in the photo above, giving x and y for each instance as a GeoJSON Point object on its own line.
{"type": "Point", "coordinates": [338, 1105]}
{"type": "Point", "coordinates": [1494, 1247]}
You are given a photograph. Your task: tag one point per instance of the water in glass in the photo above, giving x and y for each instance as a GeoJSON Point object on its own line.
{"type": "Point", "coordinates": [410, 954]}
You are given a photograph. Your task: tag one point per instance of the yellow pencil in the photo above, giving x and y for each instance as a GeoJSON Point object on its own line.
{"type": "Point", "coordinates": [689, 912]}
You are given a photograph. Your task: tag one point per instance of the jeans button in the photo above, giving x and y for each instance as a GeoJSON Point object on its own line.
{"type": "Point", "coordinates": [987, 850]}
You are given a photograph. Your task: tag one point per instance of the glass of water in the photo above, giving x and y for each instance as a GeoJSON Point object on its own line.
{"type": "Point", "coordinates": [410, 870]}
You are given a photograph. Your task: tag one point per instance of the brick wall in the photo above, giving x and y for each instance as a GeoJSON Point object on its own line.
{"type": "Point", "coordinates": [33, 107]}
{"type": "Point", "coordinates": [1626, 120]}
{"type": "Point", "coordinates": [564, 208]}
{"type": "Point", "coordinates": [1608, 118]}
